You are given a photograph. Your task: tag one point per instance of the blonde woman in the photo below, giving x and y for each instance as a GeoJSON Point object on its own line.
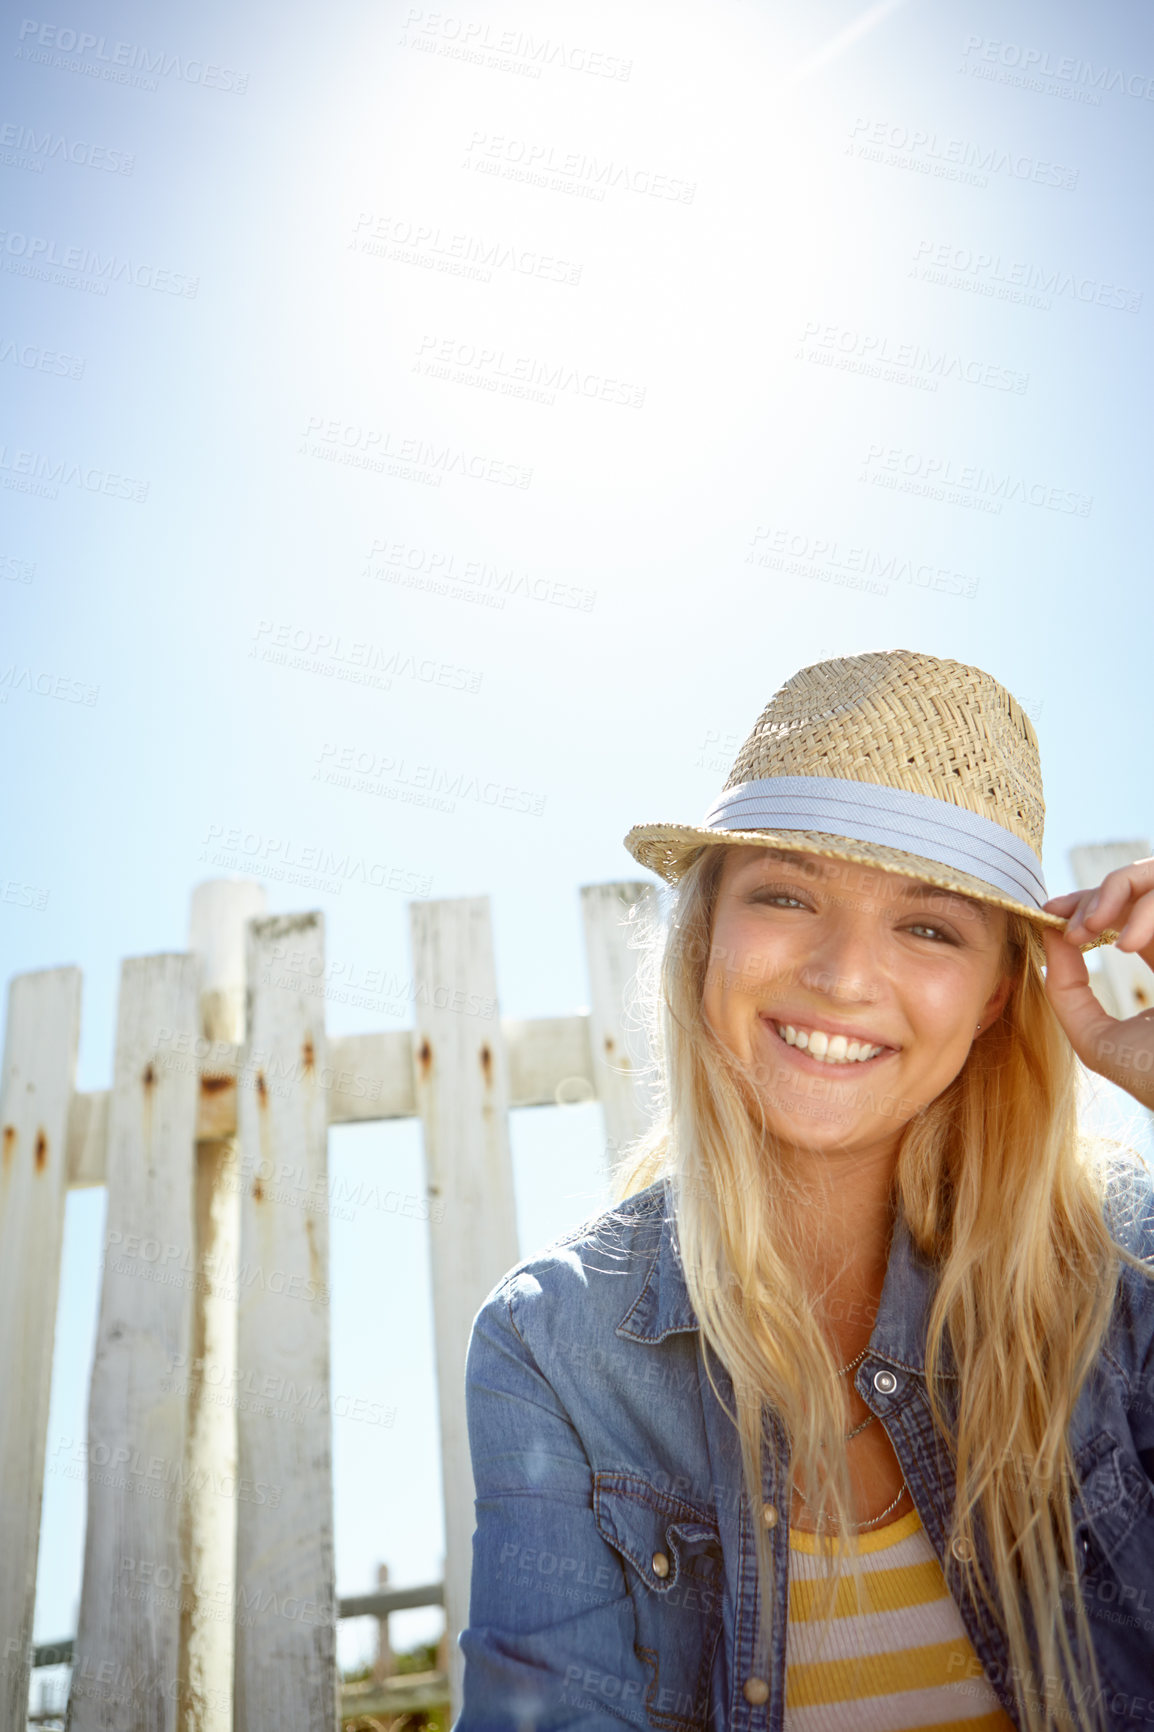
{"type": "Point", "coordinates": [843, 1416]}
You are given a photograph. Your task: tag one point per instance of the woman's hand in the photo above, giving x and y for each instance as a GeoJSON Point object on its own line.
{"type": "Point", "coordinates": [1121, 1051]}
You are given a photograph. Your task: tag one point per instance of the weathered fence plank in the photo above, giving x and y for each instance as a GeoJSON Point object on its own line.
{"type": "Point", "coordinates": [286, 1674]}
{"type": "Point", "coordinates": [40, 1042]}
{"type": "Point", "coordinates": [618, 1040]}
{"type": "Point", "coordinates": [128, 1668]}
{"type": "Point", "coordinates": [217, 919]}
{"type": "Point", "coordinates": [463, 1097]}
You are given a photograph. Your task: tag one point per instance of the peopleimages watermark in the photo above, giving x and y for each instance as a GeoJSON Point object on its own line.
{"type": "Point", "coordinates": [358, 660]}
{"type": "Point", "coordinates": [846, 349]}
{"type": "Point", "coordinates": [384, 452]}
{"type": "Point", "coordinates": [37, 360]}
{"type": "Point", "coordinates": [952, 158]}
{"type": "Point", "coordinates": [440, 572]}
{"type": "Point", "coordinates": [313, 866]}
{"type": "Point", "coordinates": [22, 895]}
{"type": "Point", "coordinates": [853, 565]}
{"type": "Point", "coordinates": [84, 269]}
{"type": "Point", "coordinates": [403, 242]}
{"type": "Point", "coordinates": [24, 147]}
{"type": "Point", "coordinates": [968, 484]}
{"type": "Point", "coordinates": [419, 784]}
{"type": "Point", "coordinates": [1018, 281]}
{"type": "Point", "coordinates": [13, 570]}
{"type": "Point", "coordinates": [523, 376]}
{"type": "Point", "coordinates": [369, 988]}
{"type": "Point", "coordinates": [275, 1395]}
{"type": "Point", "coordinates": [33, 472]}
{"type": "Point", "coordinates": [1010, 62]}
{"type": "Point", "coordinates": [480, 42]}
{"type": "Point", "coordinates": [572, 171]}
{"type": "Point", "coordinates": [70, 50]}
{"type": "Point", "coordinates": [125, 1468]}
{"type": "Point", "coordinates": [41, 684]}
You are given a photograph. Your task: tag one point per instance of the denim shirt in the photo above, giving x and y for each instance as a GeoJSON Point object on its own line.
{"type": "Point", "coordinates": [614, 1577]}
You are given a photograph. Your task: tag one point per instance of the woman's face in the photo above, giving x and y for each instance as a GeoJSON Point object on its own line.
{"type": "Point", "coordinates": [853, 994]}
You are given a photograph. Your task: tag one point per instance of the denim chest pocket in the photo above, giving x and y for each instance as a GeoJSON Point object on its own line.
{"type": "Point", "coordinates": [671, 1556]}
{"type": "Point", "coordinates": [1114, 1538]}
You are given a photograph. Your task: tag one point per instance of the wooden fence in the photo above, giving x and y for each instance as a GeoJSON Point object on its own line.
{"type": "Point", "coordinates": [224, 1085]}
{"type": "Point", "coordinates": [212, 1145]}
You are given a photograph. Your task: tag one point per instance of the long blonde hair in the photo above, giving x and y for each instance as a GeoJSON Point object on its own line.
{"type": "Point", "coordinates": [998, 1191]}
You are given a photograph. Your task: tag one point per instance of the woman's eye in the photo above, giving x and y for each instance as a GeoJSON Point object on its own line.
{"type": "Point", "coordinates": [932, 931]}
{"type": "Point", "coordinates": [778, 896]}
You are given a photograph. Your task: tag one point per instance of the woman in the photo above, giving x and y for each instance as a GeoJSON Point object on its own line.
{"type": "Point", "coordinates": [841, 1417]}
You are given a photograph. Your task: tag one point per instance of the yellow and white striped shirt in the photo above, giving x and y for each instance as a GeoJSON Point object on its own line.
{"type": "Point", "coordinates": [904, 1665]}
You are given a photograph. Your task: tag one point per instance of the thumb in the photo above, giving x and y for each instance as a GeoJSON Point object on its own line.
{"type": "Point", "coordinates": [1071, 996]}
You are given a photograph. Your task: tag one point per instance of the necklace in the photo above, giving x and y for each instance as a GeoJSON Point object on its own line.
{"type": "Point", "coordinates": [857, 1429]}
{"type": "Point", "coordinates": [873, 1520]}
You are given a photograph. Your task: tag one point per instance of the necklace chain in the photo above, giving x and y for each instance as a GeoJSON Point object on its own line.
{"type": "Point", "coordinates": [868, 1420]}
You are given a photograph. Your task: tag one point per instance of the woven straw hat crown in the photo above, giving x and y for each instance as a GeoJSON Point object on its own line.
{"type": "Point", "coordinates": [941, 756]}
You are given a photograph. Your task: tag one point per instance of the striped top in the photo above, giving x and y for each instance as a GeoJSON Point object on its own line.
{"type": "Point", "coordinates": [903, 1665]}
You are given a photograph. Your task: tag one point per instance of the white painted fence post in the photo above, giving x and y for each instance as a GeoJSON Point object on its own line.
{"type": "Point", "coordinates": [1129, 983]}
{"type": "Point", "coordinates": [219, 910]}
{"type": "Point", "coordinates": [128, 1673]}
{"type": "Point", "coordinates": [39, 1073]}
{"type": "Point", "coordinates": [461, 1081]}
{"type": "Point", "coordinates": [618, 1042]}
{"type": "Point", "coordinates": [286, 1673]}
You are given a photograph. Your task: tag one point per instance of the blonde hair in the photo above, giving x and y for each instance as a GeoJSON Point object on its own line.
{"type": "Point", "coordinates": [997, 1190]}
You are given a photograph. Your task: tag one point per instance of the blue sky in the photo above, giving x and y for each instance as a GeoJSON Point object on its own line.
{"type": "Point", "coordinates": [615, 362]}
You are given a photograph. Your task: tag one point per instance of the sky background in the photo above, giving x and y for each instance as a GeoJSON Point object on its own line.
{"type": "Point", "coordinates": [847, 316]}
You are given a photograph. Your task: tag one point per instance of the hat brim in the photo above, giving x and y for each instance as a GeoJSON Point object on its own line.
{"type": "Point", "coordinates": [668, 849]}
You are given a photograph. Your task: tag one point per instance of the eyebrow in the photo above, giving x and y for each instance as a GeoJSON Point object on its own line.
{"type": "Point", "coordinates": [912, 892]}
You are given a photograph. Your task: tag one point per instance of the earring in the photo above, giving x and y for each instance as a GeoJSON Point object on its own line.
{"type": "Point", "coordinates": [978, 1030]}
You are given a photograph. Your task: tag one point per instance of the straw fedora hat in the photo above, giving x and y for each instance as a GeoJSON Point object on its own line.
{"type": "Point", "coordinates": [902, 761]}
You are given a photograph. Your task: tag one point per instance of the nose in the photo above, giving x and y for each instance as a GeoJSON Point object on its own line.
{"type": "Point", "coordinates": [842, 963]}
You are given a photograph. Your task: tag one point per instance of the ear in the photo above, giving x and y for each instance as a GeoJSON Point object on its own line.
{"type": "Point", "coordinates": [996, 1002]}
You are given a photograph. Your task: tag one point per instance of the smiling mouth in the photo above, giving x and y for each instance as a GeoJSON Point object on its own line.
{"type": "Point", "coordinates": [827, 1049]}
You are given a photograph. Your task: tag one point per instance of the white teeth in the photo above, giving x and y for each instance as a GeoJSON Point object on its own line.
{"type": "Point", "coordinates": [827, 1048]}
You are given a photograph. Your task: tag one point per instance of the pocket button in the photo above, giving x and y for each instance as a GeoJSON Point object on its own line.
{"type": "Point", "coordinates": [769, 1514]}
{"type": "Point", "coordinates": [885, 1382]}
{"type": "Point", "coordinates": [755, 1690]}
{"type": "Point", "coordinates": [660, 1564]}
{"type": "Point", "coordinates": [961, 1549]}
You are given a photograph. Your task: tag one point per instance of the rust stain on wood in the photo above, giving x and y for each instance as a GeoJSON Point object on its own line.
{"type": "Point", "coordinates": [314, 1254]}
{"type": "Point", "coordinates": [257, 1190]}
{"type": "Point", "coordinates": [425, 1057]}
{"type": "Point", "coordinates": [308, 1053]}
{"type": "Point", "coordinates": [609, 1044]}
{"type": "Point", "coordinates": [261, 1089]}
{"type": "Point", "coordinates": [9, 1143]}
{"type": "Point", "coordinates": [41, 1151]}
{"type": "Point", "coordinates": [487, 1065]}
{"type": "Point", "coordinates": [149, 1075]}
{"type": "Point", "coordinates": [213, 1085]}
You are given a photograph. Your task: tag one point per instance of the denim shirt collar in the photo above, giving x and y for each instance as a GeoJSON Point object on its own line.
{"type": "Point", "coordinates": [663, 1307]}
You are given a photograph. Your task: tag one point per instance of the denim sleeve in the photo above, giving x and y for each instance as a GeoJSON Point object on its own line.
{"type": "Point", "coordinates": [1132, 1218]}
{"type": "Point", "coordinates": [549, 1643]}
